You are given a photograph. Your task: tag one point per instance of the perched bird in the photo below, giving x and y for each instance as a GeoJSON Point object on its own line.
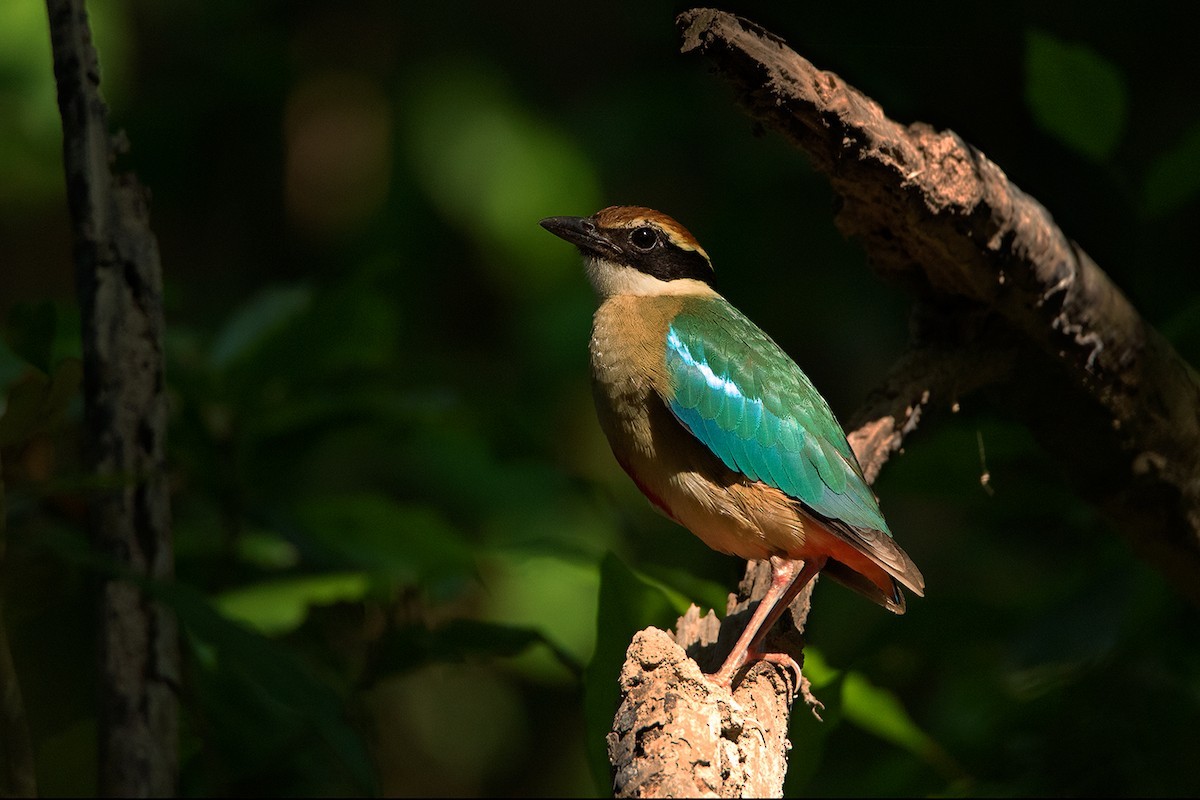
{"type": "Point", "coordinates": [719, 428]}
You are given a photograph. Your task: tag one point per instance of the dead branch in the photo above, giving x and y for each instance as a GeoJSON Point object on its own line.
{"type": "Point", "coordinates": [119, 281]}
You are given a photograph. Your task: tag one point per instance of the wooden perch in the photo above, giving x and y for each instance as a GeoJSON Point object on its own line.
{"type": "Point", "coordinates": [119, 282]}
{"type": "Point", "coordinates": [998, 287]}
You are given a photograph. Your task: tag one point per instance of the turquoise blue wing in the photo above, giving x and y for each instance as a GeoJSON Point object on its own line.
{"type": "Point", "coordinates": [744, 398]}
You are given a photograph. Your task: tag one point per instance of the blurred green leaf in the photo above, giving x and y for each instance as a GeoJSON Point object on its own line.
{"type": "Point", "coordinates": [495, 169]}
{"type": "Point", "coordinates": [31, 138]}
{"type": "Point", "coordinates": [30, 147]}
{"type": "Point", "coordinates": [1173, 177]}
{"type": "Point", "coordinates": [409, 647]}
{"type": "Point", "coordinates": [253, 324]}
{"type": "Point", "coordinates": [279, 606]}
{"type": "Point", "coordinates": [285, 345]}
{"type": "Point", "coordinates": [688, 588]}
{"type": "Point", "coordinates": [266, 549]}
{"type": "Point", "coordinates": [552, 593]}
{"type": "Point", "coordinates": [817, 669]}
{"type": "Point", "coordinates": [1075, 94]}
{"type": "Point", "coordinates": [407, 544]}
{"type": "Point", "coordinates": [628, 603]}
{"type": "Point", "coordinates": [265, 699]}
{"type": "Point", "coordinates": [304, 415]}
{"type": "Point", "coordinates": [879, 711]}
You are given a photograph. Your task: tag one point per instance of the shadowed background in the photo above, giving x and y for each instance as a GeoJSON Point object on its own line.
{"type": "Point", "coordinates": [407, 562]}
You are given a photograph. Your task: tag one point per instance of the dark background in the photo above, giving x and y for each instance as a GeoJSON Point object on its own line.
{"type": "Point", "coordinates": [401, 537]}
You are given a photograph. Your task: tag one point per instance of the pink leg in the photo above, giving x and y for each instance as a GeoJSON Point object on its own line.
{"type": "Point", "coordinates": [786, 583]}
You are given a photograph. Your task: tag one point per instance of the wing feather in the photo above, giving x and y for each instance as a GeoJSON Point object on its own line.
{"type": "Point", "coordinates": [749, 403]}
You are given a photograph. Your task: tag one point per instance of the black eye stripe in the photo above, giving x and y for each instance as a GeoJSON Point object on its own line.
{"type": "Point", "coordinates": [667, 261]}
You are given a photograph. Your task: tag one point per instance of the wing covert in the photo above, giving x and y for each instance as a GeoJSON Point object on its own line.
{"type": "Point", "coordinates": [753, 407]}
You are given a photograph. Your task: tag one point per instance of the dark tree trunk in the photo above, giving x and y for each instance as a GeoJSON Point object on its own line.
{"type": "Point", "coordinates": [119, 281]}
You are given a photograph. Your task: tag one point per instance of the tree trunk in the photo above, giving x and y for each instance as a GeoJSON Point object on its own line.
{"type": "Point", "coordinates": [119, 281]}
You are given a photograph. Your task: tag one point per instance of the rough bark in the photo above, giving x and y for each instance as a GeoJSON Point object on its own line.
{"type": "Point", "coordinates": [998, 286]}
{"type": "Point", "coordinates": [119, 282]}
{"type": "Point", "coordinates": [676, 734]}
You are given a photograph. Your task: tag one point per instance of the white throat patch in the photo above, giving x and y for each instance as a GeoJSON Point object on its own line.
{"type": "Point", "coordinates": [610, 279]}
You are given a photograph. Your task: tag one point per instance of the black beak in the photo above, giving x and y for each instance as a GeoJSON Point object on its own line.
{"type": "Point", "coordinates": [581, 232]}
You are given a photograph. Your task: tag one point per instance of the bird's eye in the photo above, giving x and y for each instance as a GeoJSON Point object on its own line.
{"type": "Point", "coordinates": [644, 238]}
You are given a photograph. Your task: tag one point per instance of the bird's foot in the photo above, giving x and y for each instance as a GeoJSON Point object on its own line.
{"type": "Point", "coordinates": [724, 676]}
{"type": "Point", "coordinates": [802, 685]}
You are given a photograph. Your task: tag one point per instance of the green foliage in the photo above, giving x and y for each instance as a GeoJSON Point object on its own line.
{"type": "Point", "coordinates": [492, 166]}
{"type": "Point", "coordinates": [31, 144]}
{"type": "Point", "coordinates": [1075, 94]}
{"type": "Point", "coordinates": [267, 704]}
{"type": "Point", "coordinates": [279, 606]}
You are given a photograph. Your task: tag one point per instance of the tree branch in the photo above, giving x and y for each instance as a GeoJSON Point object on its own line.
{"type": "Point", "coordinates": [119, 281]}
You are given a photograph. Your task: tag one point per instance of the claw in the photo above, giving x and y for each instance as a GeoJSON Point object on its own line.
{"type": "Point", "coordinates": [803, 687]}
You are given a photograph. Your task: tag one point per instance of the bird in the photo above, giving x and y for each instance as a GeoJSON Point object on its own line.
{"type": "Point", "coordinates": [720, 429]}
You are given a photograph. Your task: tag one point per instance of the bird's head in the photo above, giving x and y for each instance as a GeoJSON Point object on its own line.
{"type": "Point", "coordinates": [638, 251]}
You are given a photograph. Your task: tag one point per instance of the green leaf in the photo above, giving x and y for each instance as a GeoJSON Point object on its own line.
{"type": "Point", "coordinates": [266, 549]}
{"type": "Point", "coordinates": [628, 603]}
{"type": "Point", "coordinates": [680, 583]}
{"type": "Point", "coordinates": [494, 167]}
{"type": "Point", "coordinates": [257, 321]}
{"type": "Point", "coordinates": [262, 697]}
{"type": "Point", "coordinates": [407, 544]}
{"type": "Point", "coordinates": [279, 606]}
{"type": "Point", "coordinates": [818, 671]}
{"type": "Point", "coordinates": [1173, 177]}
{"type": "Point", "coordinates": [407, 648]}
{"type": "Point", "coordinates": [880, 712]}
{"type": "Point", "coordinates": [1075, 94]}
{"type": "Point", "coordinates": [549, 592]}
{"type": "Point", "coordinates": [268, 704]}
